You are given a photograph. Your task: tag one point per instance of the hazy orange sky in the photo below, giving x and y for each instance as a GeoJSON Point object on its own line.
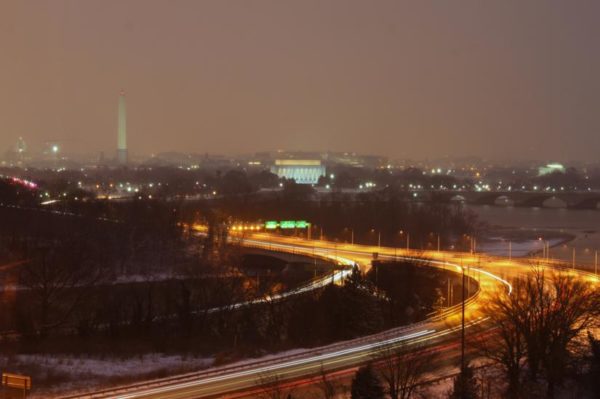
{"type": "Point", "coordinates": [499, 79]}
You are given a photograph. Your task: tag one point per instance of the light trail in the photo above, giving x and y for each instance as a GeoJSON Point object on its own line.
{"type": "Point", "coordinates": [320, 283]}
{"type": "Point", "coordinates": [279, 366]}
{"type": "Point", "coordinates": [441, 327]}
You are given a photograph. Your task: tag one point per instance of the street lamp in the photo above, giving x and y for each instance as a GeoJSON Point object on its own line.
{"type": "Point", "coordinates": [470, 239]}
{"type": "Point", "coordinates": [351, 234]}
{"type": "Point", "coordinates": [407, 239]}
{"type": "Point", "coordinates": [310, 227]}
{"type": "Point", "coordinates": [378, 237]}
{"type": "Point", "coordinates": [545, 248]}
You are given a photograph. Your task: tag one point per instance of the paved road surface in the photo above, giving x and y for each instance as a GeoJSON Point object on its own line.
{"type": "Point", "coordinates": [492, 274]}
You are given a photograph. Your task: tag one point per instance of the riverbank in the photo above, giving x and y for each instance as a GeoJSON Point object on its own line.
{"type": "Point", "coordinates": [568, 232]}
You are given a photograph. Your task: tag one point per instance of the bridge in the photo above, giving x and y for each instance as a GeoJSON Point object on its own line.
{"type": "Point", "coordinates": [541, 199]}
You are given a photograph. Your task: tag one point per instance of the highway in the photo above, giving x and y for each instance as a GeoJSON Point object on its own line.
{"type": "Point", "coordinates": [492, 274]}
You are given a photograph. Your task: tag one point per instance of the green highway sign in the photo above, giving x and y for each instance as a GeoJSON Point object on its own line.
{"type": "Point", "coordinates": [287, 224]}
{"type": "Point", "coordinates": [271, 225]}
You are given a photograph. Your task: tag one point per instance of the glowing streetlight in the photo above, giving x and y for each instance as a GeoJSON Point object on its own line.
{"type": "Point", "coordinates": [407, 238]}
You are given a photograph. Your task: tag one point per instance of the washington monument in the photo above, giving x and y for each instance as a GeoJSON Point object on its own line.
{"type": "Point", "coordinates": [122, 131]}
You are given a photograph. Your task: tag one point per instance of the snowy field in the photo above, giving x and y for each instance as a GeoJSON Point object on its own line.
{"type": "Point", "coordinates": [71, 373]}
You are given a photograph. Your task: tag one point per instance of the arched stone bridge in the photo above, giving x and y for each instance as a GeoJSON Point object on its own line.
{"type": "Point", "coordinates": [575, 200]}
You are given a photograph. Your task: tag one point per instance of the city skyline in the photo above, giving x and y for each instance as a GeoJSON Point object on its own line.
{"type": "Point", "coordinates": [299, 199]}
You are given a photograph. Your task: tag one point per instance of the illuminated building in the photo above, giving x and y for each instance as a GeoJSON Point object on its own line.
{"type": "Point", "coordinates": [303, 171]}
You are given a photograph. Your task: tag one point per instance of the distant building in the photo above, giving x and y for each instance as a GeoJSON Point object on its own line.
{"type": "Point", "coordinates": [303, 171]}
{"type": "Point", "coordinates": [551, 168]}
{"type": "Point", "coordinates": [21, 147]}
{"type": "Point", "coordinates": [356, 160]}
{"type": "Point", "coordinates": [18, 153]}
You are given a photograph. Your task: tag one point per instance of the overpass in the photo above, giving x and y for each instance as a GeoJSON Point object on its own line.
{"type": "Point", "coordinates": [492, 273]}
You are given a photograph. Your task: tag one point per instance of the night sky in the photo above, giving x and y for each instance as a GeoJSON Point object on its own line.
{"type": "Point", "coordinates": [418, 79]}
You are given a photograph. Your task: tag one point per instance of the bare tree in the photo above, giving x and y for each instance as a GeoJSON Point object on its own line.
{"type": "Point", "coordinates": [510, 350]}
{"type": "Point", "coordinates": [272, 388]}
{"type": "Point", "coordinates": [401, 370]}
{"type": "Point", "coordinates": [575, 305]}
{"type": "Point", "coordinates": [58, 277]}
{"type": "Point", "coordinates": [539, 323]}
{"type": "Point", "coordinates": [326, 385]}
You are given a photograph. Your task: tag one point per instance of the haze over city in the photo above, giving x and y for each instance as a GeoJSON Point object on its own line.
{"type": "Point", "coordinates": [299, 199]}
{"type": "Point", "coordinates": [501, 80]}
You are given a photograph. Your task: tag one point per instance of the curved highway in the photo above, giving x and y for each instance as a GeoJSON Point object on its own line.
{"type": "Point", "coordinates": [491, 273]}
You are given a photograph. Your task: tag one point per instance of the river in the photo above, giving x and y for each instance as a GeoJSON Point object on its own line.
{"type": "Point", "coordinates": [556, 224]}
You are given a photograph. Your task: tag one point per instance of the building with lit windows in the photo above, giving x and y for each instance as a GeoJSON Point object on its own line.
{"type": "Point", "coordinates": [303, 171]}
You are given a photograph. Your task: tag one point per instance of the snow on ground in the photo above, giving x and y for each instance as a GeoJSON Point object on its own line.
{"type": "Point", "coordinates": [109, 367]}
{"type": "Point", "coordinates": [137, 278]}
{"type": "Point", "coordinates": [66, 374]}
{"type": "Point", "coordinates": [500, 247]}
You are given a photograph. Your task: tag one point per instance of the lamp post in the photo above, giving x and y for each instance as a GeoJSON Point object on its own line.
{"type": "Point", "coordinates": [351, 235]}
{"type": "Point", "coordinates": [545, 248]}
{"type": "Point", "coordinates": [335, 249]}
{"type": "Point", "coordinates": [462, 337]}
{"type": "Point", "coordinates": [438, 240]}
{"type": "Point", "coordinates": [407, 239]}
{"type": "Point", "coordinates": [378, 237]}
{"type": "Point", "coordinates": [315, 259]}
